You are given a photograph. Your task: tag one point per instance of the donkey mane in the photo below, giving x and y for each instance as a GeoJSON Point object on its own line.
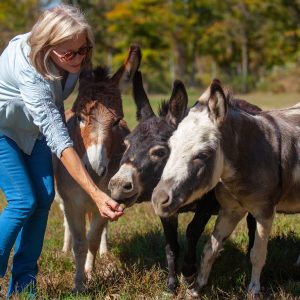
{"type": "Point", "coordinates": [234, 103]}
{"type": "Point", "coordinates": [101, 73]}
{"type": "Point", "coordinates": [96, 86]}
{"type": "Point", "coordinates": [242, 105]}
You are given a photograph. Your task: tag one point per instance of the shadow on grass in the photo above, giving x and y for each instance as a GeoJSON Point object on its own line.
{"type": "Point", "coordinates": [231, 270]}
{"type": "Point", "coordinates": [280, 269]}
{"type": "Point", "coordinates": [140, 269]}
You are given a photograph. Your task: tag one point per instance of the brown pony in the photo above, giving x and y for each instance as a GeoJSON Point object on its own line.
{"type": "Point", "coordinates": [97, 129]}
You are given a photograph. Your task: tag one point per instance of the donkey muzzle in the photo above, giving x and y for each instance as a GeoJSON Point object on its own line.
{"type": "Point", "coordinates": [162, 200]}
{"type": "Point", "coordinates": [124, 185]}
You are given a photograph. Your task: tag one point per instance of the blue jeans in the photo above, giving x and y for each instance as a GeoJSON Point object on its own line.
{"type": "Point", "coordinates": [28, 185]}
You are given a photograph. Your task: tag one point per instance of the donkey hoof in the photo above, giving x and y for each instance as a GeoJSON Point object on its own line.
{"type": "Point", "coordinates": [79, 287]}
{"type": "Point", "coordinates": [254, 296]}
{"type": "Point", "coordinates": [172, 286]}
{"type": "Point", "coordinates": [254, 290]}
{"type": "Point", "coordinates": [193, 292]}
{"type": "Point", "coordinates": [103, 251]}
{"type": "Point", "coordinates": [89, 276]}
{"type": "Point", "coordinates": [78, 290]}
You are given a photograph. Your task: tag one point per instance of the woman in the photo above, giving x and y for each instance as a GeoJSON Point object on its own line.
{"type": "Point", "coordinates": [38, 70]}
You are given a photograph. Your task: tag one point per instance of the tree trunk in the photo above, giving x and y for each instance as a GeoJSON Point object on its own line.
{"type": "Point", "coordinates": [244, 64]}
{"type": "Point", "coordinates": [179, 60]}
{"type": "Point", "coordinates": [194, 66]}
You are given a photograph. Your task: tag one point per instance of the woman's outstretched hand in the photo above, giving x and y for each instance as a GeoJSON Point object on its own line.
{"type": "Point", "coordinates": [108, 208]}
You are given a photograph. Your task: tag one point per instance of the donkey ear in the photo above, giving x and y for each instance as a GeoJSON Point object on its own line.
{"type": "Point", "coordinates": [144, 110]}
{"type": "Point", "coordinates": [125, 74]}
{"type": "Point", "coordinates": [217, 102]}
{"type": "Point", "coordinates": [177, 103]}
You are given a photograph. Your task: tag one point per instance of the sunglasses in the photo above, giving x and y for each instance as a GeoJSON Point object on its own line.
{"type": "Point", "coordinates": [69, 55]}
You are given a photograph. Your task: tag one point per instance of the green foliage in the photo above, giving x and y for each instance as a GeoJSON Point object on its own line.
{"type": "Point", "coordinates": [281, 79]}
{"type": "Point", "coordinates": [16, 17]}
{"type": "Point", "coordinates": [239, 41]}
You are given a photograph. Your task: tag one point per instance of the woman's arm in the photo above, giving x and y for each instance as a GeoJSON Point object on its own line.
{"type": "Point", "coordinates": [108, 208]}
{"type": "Point", "coordinates": [37, 96]}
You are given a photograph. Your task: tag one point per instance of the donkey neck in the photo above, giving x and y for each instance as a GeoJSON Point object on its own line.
{"type": "Point", "coordinates": [250, 149]}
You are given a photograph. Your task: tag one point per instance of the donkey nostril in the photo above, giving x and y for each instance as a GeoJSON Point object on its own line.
{"type": "Point", "coordinates": [161, 198]}
{"type": "Point", "coordinates": [164, 199]}
{"type": "Point", "coordinates": [127, 186]}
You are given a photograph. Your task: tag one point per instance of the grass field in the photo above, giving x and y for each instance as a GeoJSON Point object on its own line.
{"type": "Point", "coordinates": [135, 268]}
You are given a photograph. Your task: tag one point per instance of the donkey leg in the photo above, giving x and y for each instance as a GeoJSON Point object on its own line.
{"type": "Point", "coordinates": [76, 221]}
{"type": "Point", "coordinates": [259, 252]}
{"type": "Point", "coordinates": [298, 261]}
{"type": "Point", "coordinates": [103, 243]}
{"type": "Point", "coordinates": [206, 207]}
{"type": "Point", "coordinates": [251, 224]}
{"type": "Point", "coordinates": [172, 250]}
{"type": "Point", "coordinates": [67, 237]}
{"type": "Point", "coordinates": [94, 238]}
{"type": "Point", "coordinates": [225, 224]}
{"type": "Point", "coordinates": [194, 230]}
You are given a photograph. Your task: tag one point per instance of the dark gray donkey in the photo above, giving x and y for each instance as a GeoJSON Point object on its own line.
{"type": "Point", "coordinates": [255, 156]}
{"type": "Point", "coordinates": [142, 164]}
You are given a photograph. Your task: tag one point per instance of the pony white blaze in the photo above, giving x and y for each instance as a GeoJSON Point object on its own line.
{"type": "Point", "coordinates": [96, 157]}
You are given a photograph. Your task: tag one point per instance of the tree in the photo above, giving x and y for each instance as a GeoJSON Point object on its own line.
{"type": "Point", "coordinates": [16, 18]}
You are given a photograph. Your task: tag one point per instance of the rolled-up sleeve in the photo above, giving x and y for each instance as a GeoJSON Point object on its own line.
{"type": "Point", "coordinates": [39, 101]}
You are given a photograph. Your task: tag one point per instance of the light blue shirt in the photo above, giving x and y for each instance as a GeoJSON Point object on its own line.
{"type": "Point", "coordinates": [29, 104]}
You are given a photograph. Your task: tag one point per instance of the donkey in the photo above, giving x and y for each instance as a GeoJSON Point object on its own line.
{"type": "Point", "coordinates": [141, 167]}
{"type": "Point", "coordinates": [252, 160]}
{"type": "Point", "coordinates": [97, 129]}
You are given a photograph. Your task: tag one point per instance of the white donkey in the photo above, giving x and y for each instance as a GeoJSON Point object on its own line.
{"type": "Point", "coordinates": [252, 159]}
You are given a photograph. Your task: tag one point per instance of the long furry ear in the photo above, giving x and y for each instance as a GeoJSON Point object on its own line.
{"type": "Point", "coordinates": [124, 75]}
{"type": "Point", "coordinates": [217, 103]}
{"type": "Point", "coordinates": [177, 103]}
{"type": "Point", "coordinates": [144, 109]}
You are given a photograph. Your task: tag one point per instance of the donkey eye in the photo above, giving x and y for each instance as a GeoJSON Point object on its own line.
{"type": "Point", "coordinates": [158, 153]}
{"type": "Point", "coordinates": [201, 156]}
{"type": "Point", "coordinates": [80, 119]}
{"type": "Point", "coordinates": [116, 122]}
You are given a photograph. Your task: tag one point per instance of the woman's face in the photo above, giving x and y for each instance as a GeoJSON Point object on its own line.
{"type": "Point", "coordinates": [66, 55]}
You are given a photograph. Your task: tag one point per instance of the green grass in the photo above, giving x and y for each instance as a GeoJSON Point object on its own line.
{"type": "Point", "coordinates": [135, 268]}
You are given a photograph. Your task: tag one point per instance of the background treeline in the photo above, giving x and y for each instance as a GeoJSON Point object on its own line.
{"type": "Point", "coordinates": [248, 44]}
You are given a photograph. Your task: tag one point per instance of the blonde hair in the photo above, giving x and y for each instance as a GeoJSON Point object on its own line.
{"type": "Point", "coordinates": [54, 27]}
